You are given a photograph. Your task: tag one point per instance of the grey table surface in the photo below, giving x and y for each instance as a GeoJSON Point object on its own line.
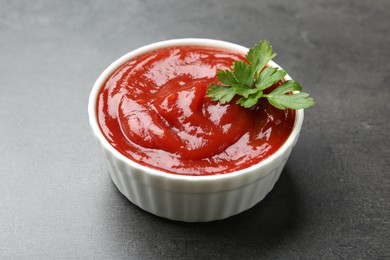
{"type": "Point", "coordinates": [57, 199]}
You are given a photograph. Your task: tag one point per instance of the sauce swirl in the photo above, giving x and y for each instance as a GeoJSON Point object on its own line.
{"type": "Point", "coordinates": [153, 110]}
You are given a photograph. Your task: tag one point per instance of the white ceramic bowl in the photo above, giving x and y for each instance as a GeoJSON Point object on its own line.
{"type": "Point", "coordinates": [190, 198]}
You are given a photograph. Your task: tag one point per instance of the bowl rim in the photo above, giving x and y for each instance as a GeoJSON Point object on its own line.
{"type": "Point", "coordinates": [92, 102]}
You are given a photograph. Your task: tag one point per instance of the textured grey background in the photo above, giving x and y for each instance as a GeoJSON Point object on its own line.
{"type": "Point", "coordinates": [56, 197]}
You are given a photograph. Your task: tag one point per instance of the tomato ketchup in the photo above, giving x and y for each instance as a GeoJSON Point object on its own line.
{"type": "Point", "coordinates": [153, 109]}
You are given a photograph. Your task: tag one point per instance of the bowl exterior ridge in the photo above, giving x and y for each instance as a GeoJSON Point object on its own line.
{"type": "Point", "coordinates": [165, 200]}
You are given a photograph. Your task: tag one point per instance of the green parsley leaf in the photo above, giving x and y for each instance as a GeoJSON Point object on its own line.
{"type": "Point", "coordinates": [243, 73]}
{"type": "Point", "coordinates": [283, 96]}
{"type": "Point", "coordinates": [294, 101]}
{"type": "Point", "coordinates": [243, 90]}
{"type": "Point", "coordinates": [249, 101]}
{"type": "Point", "coordinates": [260, 55]}
{"type": "Point", "coordinates": [223, 94]}
{"type": "Point", "coordinates": [287, 86]}
{"type": "Point", "coordinates": [226, 77]}
{"type": "Point", "coordinates": [268, 77]}
{"type": "Point", "coordinates": [249, 80]}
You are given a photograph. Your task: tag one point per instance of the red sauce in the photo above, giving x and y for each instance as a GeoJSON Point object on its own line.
{"type": "Point", "coordinates": [153, 110]}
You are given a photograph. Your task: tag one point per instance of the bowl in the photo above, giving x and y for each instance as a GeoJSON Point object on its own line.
{"type": "Point", "coordinates": [189, 198]}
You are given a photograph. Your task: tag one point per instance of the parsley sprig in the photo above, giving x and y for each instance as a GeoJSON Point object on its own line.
{"type": "Point", "coordinates": [250, 80]}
